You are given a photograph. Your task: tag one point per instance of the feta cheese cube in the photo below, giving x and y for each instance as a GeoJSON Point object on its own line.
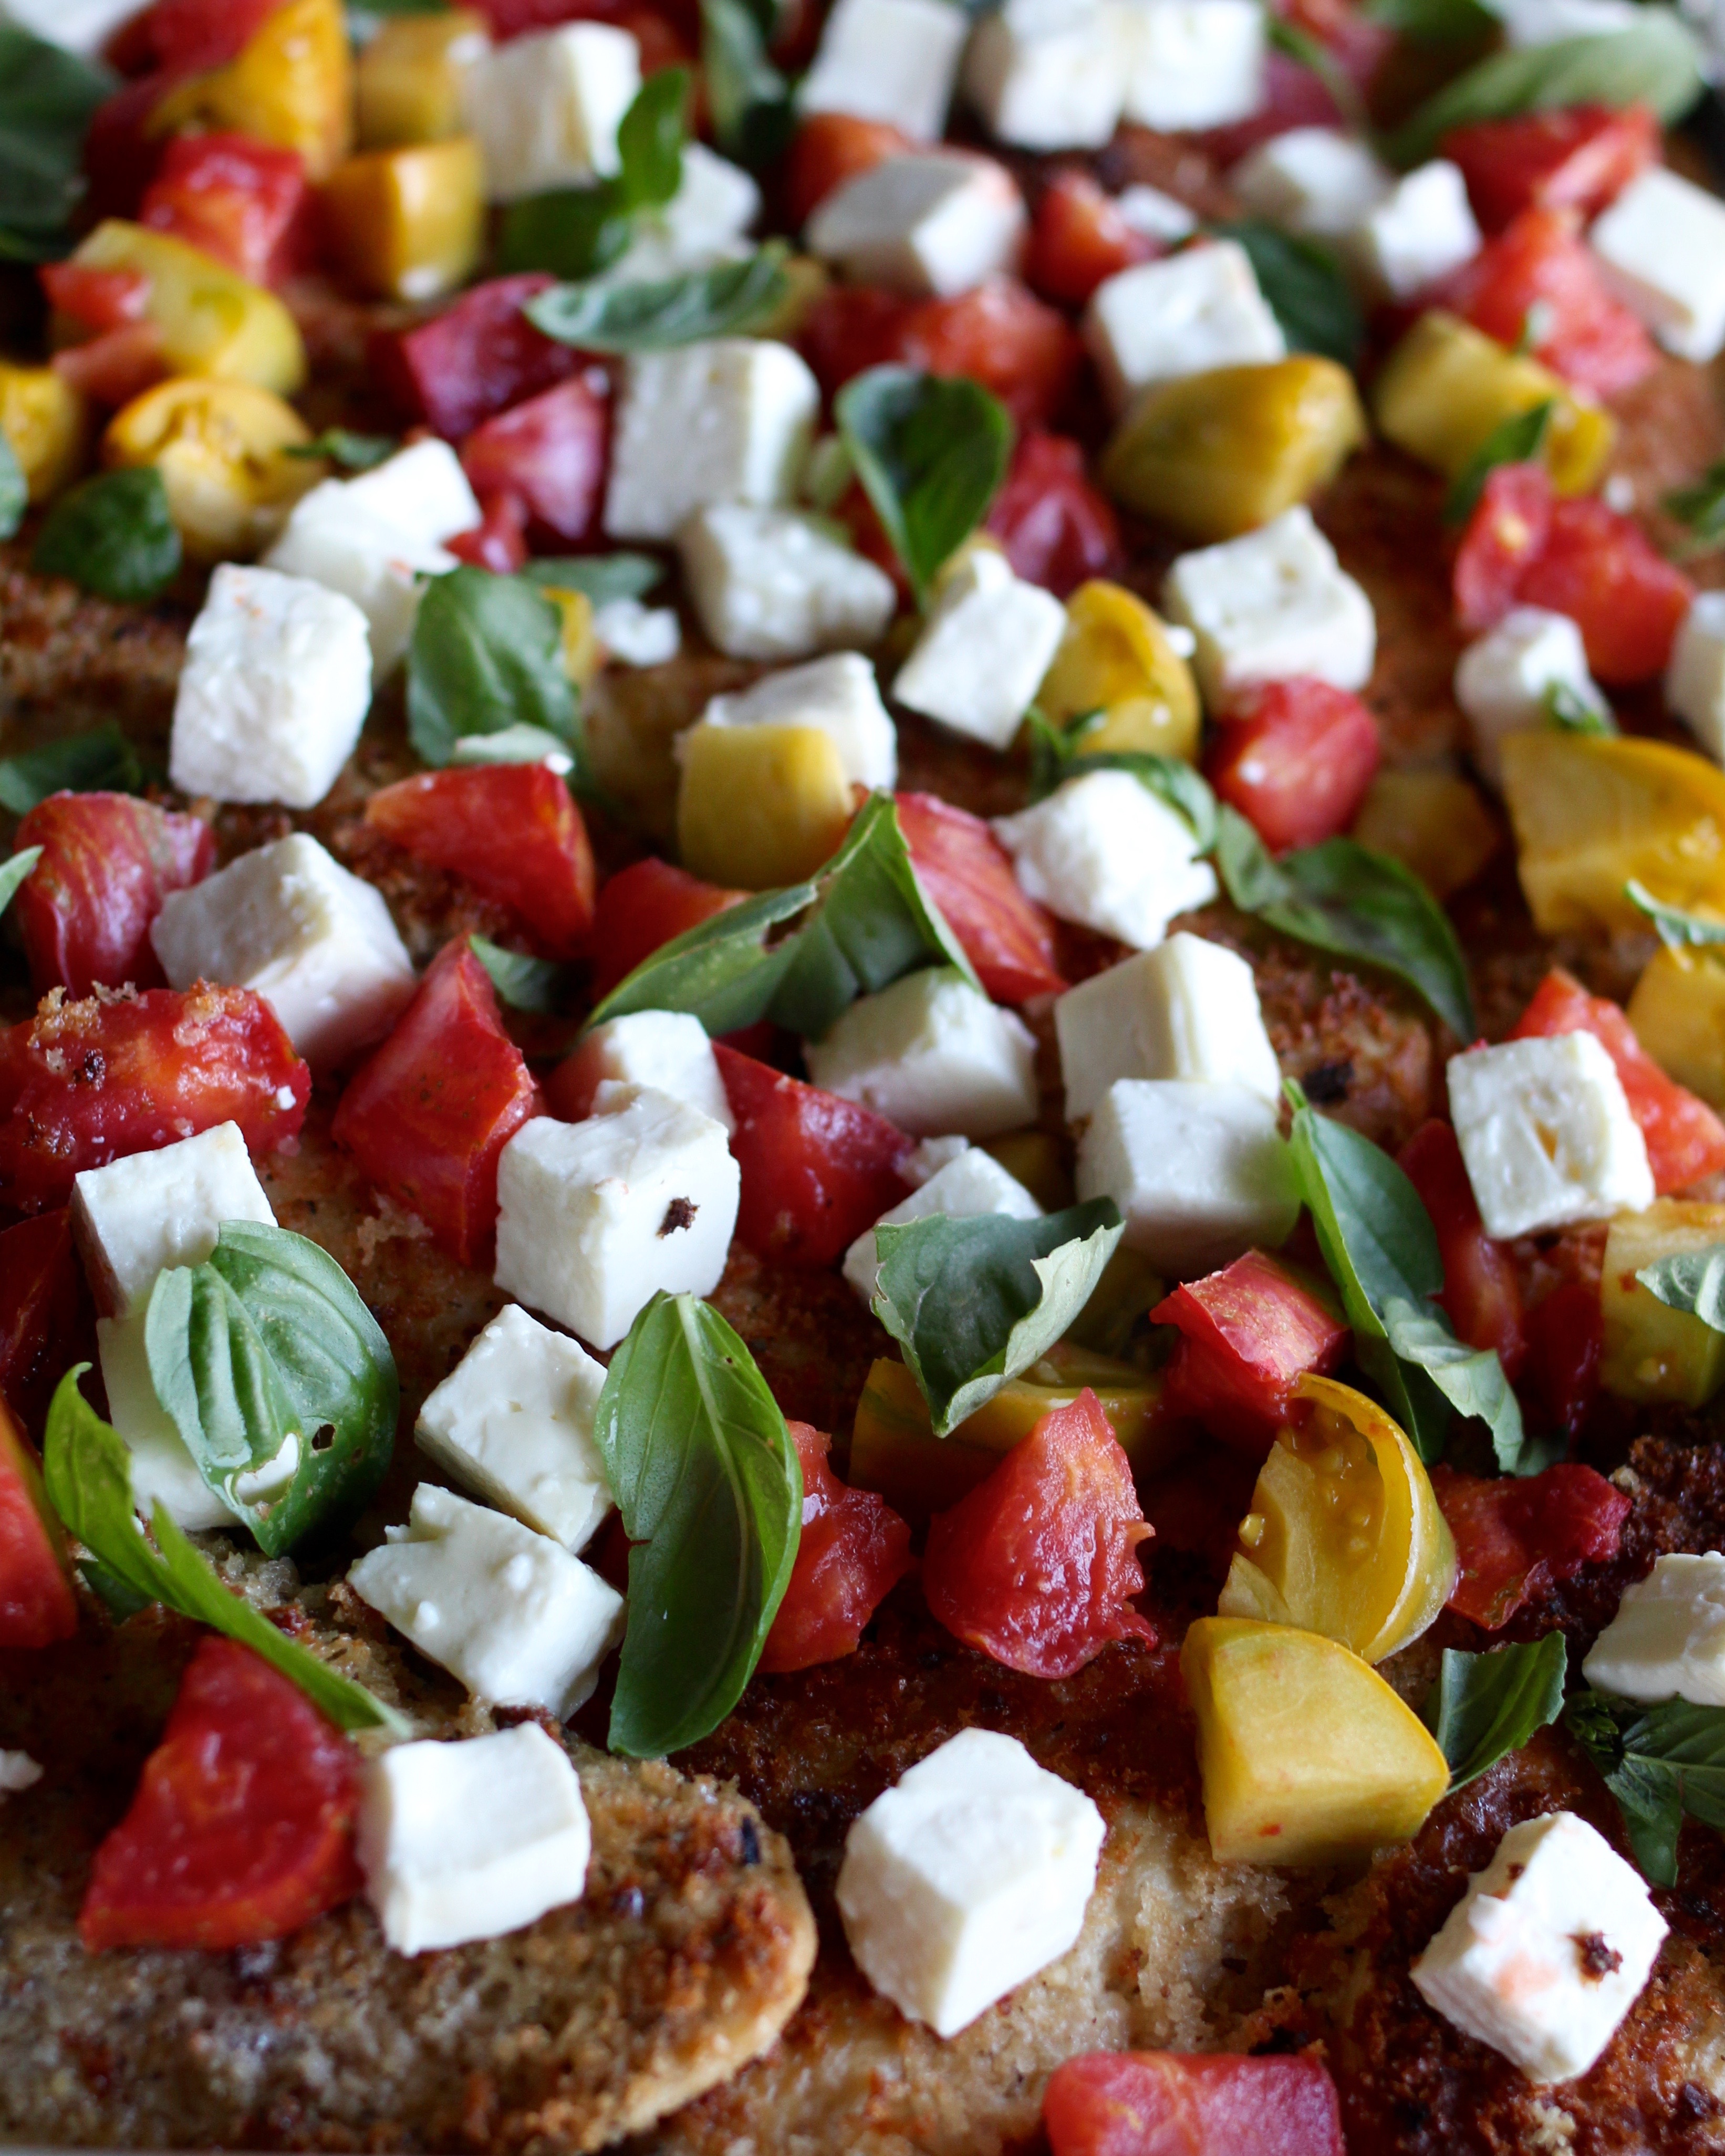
{"type": "Point", "coordinates": [1155, 215]}
{"type": "Point", "coordinates": [1107, 852]}
{"type": "Point", "coordinates": [966, 1189]}
{"type": "Point", "coordinates": [19, 1772]}
{"type": "Point", "coordinates": [967, 1878]}
{"type": "Point", "coordinates": [509, 1612]}
{"type": "Point", "coordinates": [769, 583]}
{"type": "Point", "coordinates": [1050, 74]}
{"type": "Point", "coordinates": [274, 692]}
{"type": "Point", "coordinates": [1667, 1640]}
{"type": "Point", "coordinates": [1503, 678]}
{"type": "Point", "coordinates": [1529, 22]}
{"type": "Point", "coordinates": [1269, 606]}
{"type": "Point", "coordinates": [668, 1050]}
{"type": "Point", "coordinates": [514, 1421]}
{"type": "Point", "coordinates": [594, 1219]}
{"type": "Point", "coordinates": [637, 635]}
{"type": "Point", "coordinates": [1200, 1173]}
{"type": "Point", "coordinates": [1547, 1134]}
{"type": "Point", "coordinates": [1184, 314]}
{"type": "Point", "coordinates": [291, 923]}
{"type": "Point", "coordinates": [931, 223]}
{"type": "Point", "coordinates": [1419, 231]}
{"type": "Point", "coordinates": [703, 224]}
{"type": "Point", "coordinates": [1547, 1951]}
{"type": "Point", "coordinates": [895, 60]}
{"type": "Point", "coordinates": [1195, 63]}
{"type": "Point", "coordinates": [162, 1470]}
{"type": "Point", "coordinates": [1316, 182]}
{"type": "Point", "coordinates": [546, 109]}
{"type": "Point", "coordinates": [729, 419]}
{"type": "Point", "coordinates": [134, 1218]}
{"type": "Point", "coordinates": [421, 490]}
{"type": "Point", "coordinates": [1661, 246]}
{"type": "Point", "coordinates": [462, 1842]}
{"type": "Point", "coordinates": [1694, 679]}
{"type": "Point", "coordinates": [76, 26]}
{"type": "Point", "coordinates": [365, 558]}
{"type": "Point", "coordinates": [837, 696]}
{"type": "Point", "coordinates": [931, 1053]}
{"type": "Point", "coordinates": [988, 639]}
{"type": "Point", "coordinates": [1187, 1009]}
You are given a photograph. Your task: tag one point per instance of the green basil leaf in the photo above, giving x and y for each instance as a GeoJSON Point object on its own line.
{"type": "Point", "coordinates": [1342, 897]}
{"type": "Point", "coordinates": [87, 1469]}
{"type": "Point", "coordinates": [1573, 713]}
{"type": "Point", "coordinates": [1677, 930]}
{"type": "Point", "coordinates": [1516, 440]}
{"type": "Point", "coordinates": [599, 577]}
{"type": "Point", "coordinates": [1659, 1762]}
{"type": "Point", "coordinates": [649, 141]}
{"type": "Point", "coordinates": [572, 232]}
{"type": "Point", "coordinates": [524, 983]}
{"type": "Point", "coordinates": [674, 310]}
{"type": "Point", "coordinates": [1484, 1707]}
{"type": "Point", "coordinates": [113, 536]}
{"type": "Point", "coordinates": [750, 100]}
{"type": "Point", "coordinates": [1691, 1281]}
{"type": "Point", "coordinates": [1471, 1379]}
{"type": "Point", "coordinates": [1701, 508]}
{"type": "Point", "coordinates": [14, 489]}
{"type": "Point", "coordinates": [707, 1481]}
{"type": "Point", "coordinates": [1436, 21]}
{"type": "Point", "coordinates": [487, 653]}
{"type": "Point", "coordinates": [15, 873]}
{"type": "Point", "coordinates": [48, 99]}
{"type": "Point", "coordinates": [120, 1600]}
{"type": "Point", "coordinates": [340, 445]}
{"type": "Point", "coordinates": [102, 760]}
{"type": "Point", "coordinates": [974, 1302]}
{"type": "Point", "coordinates": [1308, 293]}
{"type": "Point", "coordinates": [725, 971]}
{"type": "Point", "coordinates": [931, 454]}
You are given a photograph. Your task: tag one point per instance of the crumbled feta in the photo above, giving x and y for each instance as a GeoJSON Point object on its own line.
{"type": "Point", "coordinates": [989, 638]}
{"type": "Point", "coordinates": [1269, 606]}
{"type": "Point", "coordinates": [1050, 74]}
{"type": "Point", "coordinates": [1154, 215]}
{"type": "Point", "coordinates": [422, 491]}
{"type": "Point", "coordinates": [1186, 314]}
{"type": "Point", "coordinates": [19, 1772]}
{"type": "Point", "coordinates": [1187, 1009]}
{"type": "Point", "coordinates": [163, 1469]}
{"type": "Point", "coordinates": [462, 1842]}
{"type": "Point", "coordinates": [772, 583]}
{"type": "Point", "coordinates": [1195, 63]}
{"type": "Point", "coordinates": [728, 419]}
{"type": "Point", "coordinates": [365, 558]}
{"type": "Point", "coordinates": [836, 695]}
{"type": "Point", "coordinates": [137, 1216]}
{"type": "Point", "coordinates": [1547, 1951]}
{"type": "Point", "coordinates": [290, 923]}
{"type": "Point", "coordinates": [1667, 1640]}
{"type": "Point", "coordinates": [966, 1189]}
{"type": "Point", "coordinates": [895, 60]}
{"type": "Point", "coordinates": [1107, 852]}
{"type": "Point", "coordinates": [546, 109]}
{"type": "Point", "coordinates": [669, 1051]}
{"type": "Point", "coordinates": [1547, 1134]}
{"type": "Point", "coordinates": [931, 1053]}
{"type": "Point", "coordinates": [1694, 679]}
{"type": "Point", "coordinates": [77, 26]}
{"type": "Point", "coordinates": [1662, 245]}
{"type": "Point", "coordinates": [930, 223]}
{"type": "Point", "coordinates": [1503, 679]}
{"type": "Point", "coordinates": [1316, 182]}
{"type": "Point", "coordinates": [704, 223]}
{"type": "Point", "coordinates": [637, 635]}
{"type": "Point", "coordinates": [1421, 229]}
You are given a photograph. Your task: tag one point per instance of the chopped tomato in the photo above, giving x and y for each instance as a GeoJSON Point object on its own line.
{"type": "Point", "coordinates": [243, 201]}
{"type": "Point", "coordinates": [42, 1311]}
{"type": "Point", "coordinates": [999, 334]}
{"type": "Point", "coordinates": [816, 1170]}
{"type": "Point", "coordinates": [242, 1828]}
{"type": "Point", "coordinates": [1079, 239]}
{"type": "Point", "coordinates": [1508, 529]}
{"type": "Point", "coordinates": [1565, 1342]}
{"type": "Point", "coordinates": [550, 454]}
{"type": "Point", "coordinates": [968, 874]}
{"type": "Point", "coordinates": [117, 366]}
{"type": "Point", "coordinates": [1577, 157]}
{"type": "Point", "coordinates": [1037, 1565]}
{"type": "Point", "coordinates": [37, 1603]}
{"type": "Point", "coordinates": [1296, 758]}
{"type": "Point", "coordinates": [85, 1083]}
{"type": "Point", "coordinates": [477, 357]}
{"type": "Point", "coordinates": [855, 1550]}
{"type": "Point", "coordinates": [643, 907]}
{"type": "Point", "coordinates": [851, 328]}
{"type": "Point", "coordinates": [1481, 1292]}
{"type": "Point", "coordinates": [1603, 572]}
{"type": "Point", "coordinates": [1351, 36]}
{"type": "Point", "coordinates": [1538, 281]}
{"type": "Point", "coordinates": [108, 861]}
{"type": "Point", "coordinates": [1058, 532]}
{"type": "Point", "coordinates": [427, 1113]}
{"type": "Point", "coordinates": [663, 42]}
{"type": "Point", "coordinates": [1686, 1140]}
{"type": "Point", "coordinates": [829, 148]}
{"type": "Point", "coordinates": [1519, 1537]}
{"type": "Point", "coordinates": [205, 33]}
{"type": "Point", "coordinates": [1166, 2104]}
{"type": "Point", "coordinates": [97, 299]}
{"type": "Point", "coordinates": [499, 541]}
{"type": "Point", "coordinates": [1248, 1335]}
{"type": "Point", "coordinates": [121, 150]}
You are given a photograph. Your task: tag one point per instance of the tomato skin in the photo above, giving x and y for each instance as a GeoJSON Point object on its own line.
{"type": "Point", "coordinates": [1628, 601]}
{"type": "Point", "coordinates": [1519, 1537]}
{"type": "Point", "coordinates": [476, 358]}
{"type": "Point", "coordinates": [1565, 1342]}
{"type": "Point", "coordinates": [1079, 239]}
{"type": "Point", "coordinates": [1539, 261]}
{"type": "Point", "coordinates": [1249, 1334]}
{"type": "Point", "coordinates": [644, 907]}
{"type": "Point", "coordinates": [113, 368]}
{"type": "Point", "coordinates": [97, 299]}
{"type": "Point", "coordinates": [499, 541]}
{"type": "Point", "coordinates": [242, 1827]}
{"type": "Point", "coordinates": [1036, 1565]}
{"type": "Point", "coordinates": [1481, 1292]}
{"type": "Point", "coordinates": [1295, 757]}
{"type": "Point", "coordinates": [205, 33]}
{"type": "Point", "coordinates": [1508, 529]}
{"type": "Point", "coordinates": [243, 201]}
{"type": "Point", "coordinates": [999, 334]}
{"type": "Point", "coordinates": [1580, 157]}
{"type": "Point", "coordinates": [428, 1114]}
{"type": "Point", "coordinates": [849, 329]}
{"type": "Point", "coordinates": [831, 148]}
{"type": "Point", "coordinates": [967, 873]}
{"type": "Point", "coordinates": [551, 454]}
{"type": "Point", "coordinates": [854, 1551]}
{"type": "Point", "coordinates": [44, 1311]}
{"type": "Point", "coordinates": [1057, 530]}
{"type": "Point", "coordinates": [1164, 2103]}
{"type": "Point", "coordinates": [108, 862]}
{"type": "Point", "coordinates": [37, 1603]}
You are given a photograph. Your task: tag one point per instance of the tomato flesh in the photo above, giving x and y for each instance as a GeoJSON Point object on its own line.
{"type": "Point", "coordinates": [855, 1550]}
{"type": "Point", "coordinates": [999, 334]}
{"type": "Point", "coordinates": [44, 1310]}
{"type": "Point", "coordinates": [1602, 571]}
{"type": "Point", "coordinates": [476, 358]}
{"type": "Point", "coordinates": [1538, 279]}
{"type": "Point", "coordinates": [36, 1605]}
{"type": "Point", "coordinates": [108, 861]}
{"type": "Point", "coordinates": [499, 541]}
{"type": "Point", "coordinates": [1079, 240]}
{"type": "Point", "coordinates": [967, 873]}
{"type": "Point", "coordinates": [1057, 530]}
{"type": "Point", "coordinates": [831, 148]}
{"type": "Point", "coordinates": [1296, 758]}
{"type": "Point", "coordinates": [243, 202]}
{"type": "Point", "coordinates": [1248, 1335]}
{"type": "Point", "coordinates": [1165, 2103]}
{"type": "Point", "coordinates": [96, 299]}
{"type": "Point", "coordinates": [1517, 1537]}
{"type": "Point", "coordinates": [644, 907]}
{"type": "Point", "coordinates": [1481, 1292]}
{"type": "Point", "coordinates": [550, 453]}
{"type": "Point", "coordinates": [1565, 1344]}
{"type": "Point", "coordinates": [113, 368]}
{"type": "Point", "coordinates": [205, 33]}
{"type": "Point", "coordinates": [1507, 530]}
{"type": "Point", "coordinates": [1578, 158]}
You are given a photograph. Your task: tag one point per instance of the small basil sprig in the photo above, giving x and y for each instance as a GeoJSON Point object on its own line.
{"type": "Point", "coordinates": [974, 1302]}
{"type": "Point", "coordinates": [87, 1472]}
{"type": "Point", "coordinates": [1436, 21]}
{"type": "Point", "coordinates": [1702, 509]}
{"type": "Point", "coordinates": [1573, 715]}
{"type": "Point", "coordinates": [102, 760]}
{"type": "Point", "coordinates": [1306, 288]}
{"type": "Point", "coordinates": [1484, 1707]}
{"type": "Point", "coordinates": [340, 445]}
{"type": "Point", "coordinates": [600, 577]}
{"type": "Point", "coordinates": [487, 653]}
{"type": "Point", "coordinates": [1677, 930]}
{"type": "Point", "coordinates": [1659, 1762]}
{"type": "Point", "coordinates": [575, 231]}
{"type": "Point", "coordinates": [524, 983]}
{"type": "Point", "coordinates": [112, 536]}
{"type": "Point", "coordinates": [931, 454]}
{"type": "Point", "coordinates": [48, 99]}
{"type": "Point", "coordinates": [750, 100]}
{"type": "Point", "coordinates": [15, 873]}
{"type": "Point", "coordinates": [706, 1478]}
{"type": "Point", "coordinates": [1518, 439]}
{"type": "Point", "coordinates": [1691, 1281]}
{"type": "Point", "coordinates": [656, 315]}
{"type": "Point", "coordinates": [14, 489]}
{"type": "Point", "coordinates": [1057, 753]}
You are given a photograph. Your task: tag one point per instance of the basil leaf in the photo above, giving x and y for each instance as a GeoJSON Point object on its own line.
{"type": "Point", "coordinates": [1308, 293]}
{"type": "Point", "coordinates": [1659, 1762]}
{"type": "Point", "coordinates": [87, 1469]}
{"type": "Point", "coordinates": [340, 445]}
{"type": "Point", "coordinates": [48, 99]}
{"type": "Point", "coordinates": [1516, 440]}
{"type": "Point", "coordinates": [1436, 21]}
{"type": "Point", "coordinates": [1484, 1707]}
{"type": "Point", "coordinates": [102, 760]}
{"type": "Point", "coordinates": [649, 141]}
{"type": "Point", "coordinates": [15, 873]}
{"type": "Point", "coordinates": [572, 231]}
{"type": "Point", "coordinates": [749, 99]}
{"type": "Point", "coordinates": [1701, 508]}
{"type": "Point", "coordinates": [1677, 930]}
{"type": "Point", "coordinates": [1691, 1281]}
{"type": "Point", "coordinates": [120, 1600]}
{"type": "Point", "coordinates": [1343, 898]}
{"type": "Point", "coordinates": [524, 983]}
{"type": "Point", "coordinates": [656, 316]}
{"type": "Point", "coordinates": [14, 489]}
{"type": "Point", "coordinates": [600, 577]}
{"type": "Point", "coordinates": [1573, 715]}
{"type": "Point", "coordinates": [724, 971]}
{"type": "Point", "coordinates": [487, 653]}
{"type": "Point", "coordinates": [974, 1302]}
{"type": "Point", "coordinates": [932, 454]}
{"type": "Point", "coordinates": [706, 1478]}
{"type": "Point", "coordinates": [113, 536]}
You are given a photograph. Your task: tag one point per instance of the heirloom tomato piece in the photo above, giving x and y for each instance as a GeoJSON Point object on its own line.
{"type": "Point", "coordinates": [644, 907]}
{"type": "Point", "coordinates": [408, 77]}
{"type": "Point", "coordinates": [499, 541]}
{"type": "Point", "coordinates": [1519, 1537]}
{"type": "Point", "coordinates": [1435, 823]}
{"type": "Point", "coordinates": [967, 874]}
{"type": "Point", "coordinates": [1649, 1351]}
{"type": "Point", "coordinates": [477, 357]}
{"type": "Point", "coordinates": [761, 806]}
{"type": "Point", "coordinates": [854, 1549]}
{"type": "Point", "coordinates": [1601, 570]}
{"type": "Point", "coordinates": [1538, 280]}
{"type": "Point", "coordinates": [244, 202]}
{"type": "Point", "coordinates": [1249, 1334]}
{"type": "Point", "coordinates": [1057, 530]}
{"type": "Point", "coordinates": [1578, 158]}
{"type": "Point", "coordinates": [37, 1603]}
{"type": "Point", "coordinates": [224, 451]}
{"type": "Point", "coordinates": [1507, 530]}
{"type": "Point", "coordinates": [999, 334]}
{"type": "Point", "coordinates": [242, 1828]}
{"type": "Point", "coordinates": [407, 224]}
{"type": "Point", "coordinates": [96, 299]}
{"type": "Point", "coordinates": [1296, 758]}
{"type": "Point", "coordinates": [43, 421]}
{"type": "Point", "coordinates": [1165, 2103]}
{"type": "Point", "coordinates": [551, 453]}
{"type": "Point", "coordinates": [1678, 1014]}
{"type": "Point", "coordinates": [829, 148]}
{"type": "Point", "coordinates": [291, 83]}
{"type": "Point", "coordinates": [1565, 1350]}
{"type": "Point", "coordinates": [1116, 666]}
{"type": "Point", "coordinates": [115, 367]}
{"type": "Point", "coordinates": [204, 34]}
{"type": "Point", "coordinates": [1079, 239]}
{"type": "Point", "coordinates": [44, 1310]}
{"type": "Point", "coordinates": [108, 861]}
{"type": "Point", "coordinates": [1481, 1292]}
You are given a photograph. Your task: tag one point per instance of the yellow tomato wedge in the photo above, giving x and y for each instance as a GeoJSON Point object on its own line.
{"type": "Point", "coordinates": [221, 448]}
{"type": "Point", "coordinates": [1116, 657]}
{"type": "Point", "coordinates": [291, 84]}
{"type": "Point", "coordinates": [1431, 822]}
{"type": "Point", "coordinates": [1652, 1351]}
{"type": "Point", "coordinates": [213, 322]}
{"type": "Point", "coordinates": [1678, 1013]}
{"type": "Point", "coordinates": [45, 424]}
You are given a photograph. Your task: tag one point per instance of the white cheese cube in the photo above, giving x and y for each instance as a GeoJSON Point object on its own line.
{"type": "Point", "coordinates": [928, 1157]}
{"type": "Point", "coordinates": [1107, 852]}
{"type": "Point", "coordinates": [77, 26]}
{"type": "Point", "coordinates": [770, 584]}
{"type": "Point", "coordinates": [1313, 181]}
{"type": "Point", "coordinates": [1694, 679]}
{"type": "Point", "coordinates": [895, 60]}
{"type": "Point", "coordinates": [1667, 1640]}
{"type": "Point", "coordinates": [1269, 606]}
{"type": "Point", "coordinates": [594, 1219]}
{"type": "Point", "coordinates": [1050, 74]}
{"type": "Point", "coordinates": [637, 635]}
{"type": "Point", "coordinates": [367, 559]}
{"type": "Point", "coordinates": [967, 1878]}
{"type": "Point", "coordinates": [1187, 1009]}
{"type": "Point", "coordinates": [462, 1842]}
{"type": "Point", "coordinates": [1155, 215]}
{"type": "Point", "coordinates": [19, 1772]}
{"type": "Point", "coordinates": [966, 1189]}
{"type": "Point", "coordinates": [162, 1470]}
{"type": "Point", "coordinates": [1662, 245]}
{"type": "Point", "coordinates": [546, 109]}
{"type": "Point", "coordinates": [729, 419]}
{"type": "Point", "coordinates": [703, 224]}
{"type": "Point", "coordinates": [1547, 1951]}
{"type": "Point", "coordinates": [836, 695]}
{"type": "Point", "coordinates": [514, 1421]}
{"type": "Point", "coordinates": [274, 692]}
{"type": "Point", "coordinates": [989, 638]}
{"type": "Point", "coordinates": [931, 1053]}
{"type": "Point", "coordinates": [1200, 1172]}
{"type": "Point", "coordinates": [669, 1051]}
{"type": "Point", "coordinates": [291, 923]}
{"type": "Point", "coordinates": [509, 1612]}
{"type": "Point", "coordinates": [1195, 63]}
{"type": "Point", "coordinates": [1547, 1134]}
{"type": "Point", "coordinates": [1503, 678]}
{"type": "Point", "coordinates": [137, 1216]}
{"type": "Point", "coordinates": [1185, 315]}
{"type": "Point", "coordinates": [931, 223]}
{"type": "Point", "coordinates": [1530, 23]}
{"type": "Point", "coordinates": [1420, 231]}
{"type": "Point", "coordinates": [421, 490]}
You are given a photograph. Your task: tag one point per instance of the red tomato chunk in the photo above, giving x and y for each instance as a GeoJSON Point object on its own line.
{"type": "Point", "coordinates": [42, 1311]}
{"type": "Point", "coordinates": [999, 335]}
{"type": "Point", "coordinates": [1518, 1538]}
{"type": "Point", "coordinates": [967, 873]}
{"type": "Point", "coordinates": [1080, 240]}
{"type": "Point", "coordinates": [1481, 1292]}
{"type": "Point", "coordinates": [499, 541]}
{"type": "Point", "coordinates": [1249, 1334]}
{"type": "Point", "coordinates": [1163, 2103]}
{"type": "Point", "coordinates": [204, 33]}
{"type": "Point", "coordinates": [243, 202]}
{"type": "Point", "coordinates": [1539, 279]}
{"type": "Point", "coordinates": [643, 908]}
{"type": "Point", "coordinates": [830, 149]}
{"type": "Point", "coordinates": [1058, 532]}
{"type": "Point", "coordinates": [96, 299]}
{"type": "Point", "coordinates": [1565, 1343]}
{"type": "Point", "coordinates": [36, 1605]}
{"type": "Point", "coordinates": [476, 358]}
{"type": "Point", "coordinates": [1508, 529]}
{"type": "Point", "coordinates": [1580, 157]}
{"type": "Point", "coordinates": [549, 454]}
{"type": "Point", "coordinates": [1296, 758]}
{"type": "Point", "coordinates": [855, 1550]}
{"type": "Point", "coordinates": [108, 861]}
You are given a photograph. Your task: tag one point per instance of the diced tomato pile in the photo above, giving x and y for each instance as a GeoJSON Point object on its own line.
{"type": "Point", "coordinates": [1248, 1335]}
{"type": "Point", "coordinates": [854, 1549]}
{"type": "Point", "coordinates": [1517, 1539]}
